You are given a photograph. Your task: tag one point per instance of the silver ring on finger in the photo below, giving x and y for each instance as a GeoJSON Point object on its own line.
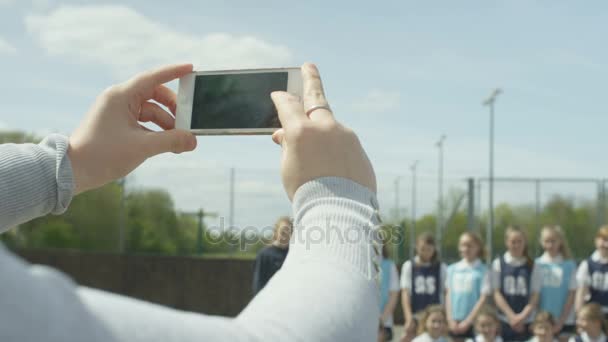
{"type": "Point", "coordinates": [315, 107]}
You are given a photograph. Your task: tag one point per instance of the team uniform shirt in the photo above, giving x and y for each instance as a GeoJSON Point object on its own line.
{"type": "Point", "coordinates": [558, 279]}
{"type": "Point", "coordinates": [593, 273]}
{"type": "Point", "coordinates": [585, 338]}
{"type": "Point", "coordinates": [479, 338]}
{"type": "Point", "coordinates": [516, 281]}
{"type": "Point", "coordinates": [467, 282]}
{"type": "Point", "coordinates": [389, 283]}
{"type": "Point", "coordinates": [425, 337]}
{"type": "Point", "coordinates": [427, 281]}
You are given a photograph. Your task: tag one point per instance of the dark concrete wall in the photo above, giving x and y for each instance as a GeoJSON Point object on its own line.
{"type": "Point", "coordinates": [212, 286]}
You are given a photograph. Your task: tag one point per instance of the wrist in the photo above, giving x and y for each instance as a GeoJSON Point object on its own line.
{"type": "Point", "coordinates": [78, 175]}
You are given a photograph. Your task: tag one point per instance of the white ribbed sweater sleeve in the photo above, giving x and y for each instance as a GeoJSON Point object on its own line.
{"type": "Point", "coordinates": [325, 291]}
{"type": "Point", "coordinates": [35, 180]}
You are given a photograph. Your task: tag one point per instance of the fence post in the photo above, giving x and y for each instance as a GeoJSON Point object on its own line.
{"type": "Point", "coordinates": [538, 209]}
{"type": "Point", "coordinates": [601, 198]}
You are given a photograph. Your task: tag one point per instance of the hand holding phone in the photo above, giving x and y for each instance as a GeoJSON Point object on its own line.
{"type": "Point", "coordinates": [233, 102]}
{"type": "Point", "coordinates": [316, 144]}
{"type": "Point", "coordinates": [109, 143]}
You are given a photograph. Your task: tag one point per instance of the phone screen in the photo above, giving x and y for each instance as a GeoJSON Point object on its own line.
{"type": "Point", "coordinates": [236, 100]}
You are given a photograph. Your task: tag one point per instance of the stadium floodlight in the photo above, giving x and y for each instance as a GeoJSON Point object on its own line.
{"type": "Point", "coordinates": [490, 103]}
{"type": "Point", "coordinates": [413, 167]}
{"type": "Point", "coordinates": [439, 144]}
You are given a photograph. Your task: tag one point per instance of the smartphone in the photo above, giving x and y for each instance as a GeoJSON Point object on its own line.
{"type": "Point", "coordinates": [233, 101]}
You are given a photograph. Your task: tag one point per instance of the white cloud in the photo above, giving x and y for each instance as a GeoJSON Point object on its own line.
{"type": "Point", "coordinates": [126, 41]}
{"type": "Point", "coordinates": [6, 47]}
{"type": "Point", "coordinates": [378, 101]}
{"type": "Point", "coordinates": [3, 126]}
{"type": "Point", "coordinates": [6, 2]}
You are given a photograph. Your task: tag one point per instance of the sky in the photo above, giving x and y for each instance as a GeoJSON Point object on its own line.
{"type": "Point", "coordinates": [400, 73]}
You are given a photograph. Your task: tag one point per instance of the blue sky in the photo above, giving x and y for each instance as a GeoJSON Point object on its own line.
{"type": "Point", "coordinates": [400, 73]}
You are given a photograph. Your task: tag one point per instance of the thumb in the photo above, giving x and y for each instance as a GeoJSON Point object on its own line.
{"type": "Point", "coordinates": [173, 140]}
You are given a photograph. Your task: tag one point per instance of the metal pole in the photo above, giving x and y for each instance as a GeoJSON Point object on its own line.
{"type": "Point", "coordinates": [537, 215]}
{"type": "Point", "coordinates": [491, 189]}
{"type": "Point", "coordinates": [600, 204]}
{"type": "Point", "coordinates": [396, 246]}
{"type": "Point", "coordinates": [199, 233]}
{"type": "Point", "coordinates": [397, 199]}
{"type": "Point", "coordinates": [471, 204]}
{"type": "Point", "coordinates": [231, 210]}
{"type": "Point", "coordinates": [439, 223]}
{"type": "Point", "coordinates": [478, 204]}
{"type": "Point", "coordinates": [413, 227]}
{"type": "Point", "coordinates": [604, 201]}
{"type": "Point", "coordinates": [122, 217]}
{"type": "Point", "coordinates": [490, 102]}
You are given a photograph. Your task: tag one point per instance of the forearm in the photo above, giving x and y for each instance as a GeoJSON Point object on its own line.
{"type": "Point", "coordinates": [502, 304]}
{"type": "Point", "coordinates": [531, 307]}
{"type": "Point", "coordinates": [328, 281]}
{"type": "Point", "coordinates": [405, 304]}
{"type": "Point", "coordinates": [567, 307]}
{"type": "Point", "coordinates": [391, 305]}
{"type": "Point", "coordinates": [480, 303]}
{"type": "Point", "coordinates": [448, 306]}
{"type": "Point", "coordinates": [35, 180]}
{"type": "Point", "coordinates": [581, 293]}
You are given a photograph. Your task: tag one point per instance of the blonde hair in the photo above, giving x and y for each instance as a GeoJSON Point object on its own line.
{"type": "Point", "coordinates": [478, 240]}
{"type": "Point", "coordinates": [517, 230]}
{"type": "Point", "coordinates": [490, 312]}
{"type": "Point", "coordinates": [602, 232]}
{"type": "Point", "coordinates": [431, 309]}
{"type": "Point", "coordinates": [592, 312]}
{"type": "Point", "coordinates": [543, 317]}
{"type": "Point", "coordinates": [564, 248]}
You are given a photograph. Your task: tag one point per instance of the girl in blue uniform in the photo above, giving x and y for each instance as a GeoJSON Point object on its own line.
{"type": "Point", "coordinates": [467, 287]}
{"type": "Point", "coordinates": [592, 275]}
{"type": "Point", "coordinates": [516, 283]}
{"type": "Point", "coordinates": [558, 283]}
{"type": "Point", "coordinates": [389, 292]}
{"type": "Point", "coordinates": [422, 281]}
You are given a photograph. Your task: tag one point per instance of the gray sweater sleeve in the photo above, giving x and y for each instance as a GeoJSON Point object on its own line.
{"type": "Point", "coordinates": [35, 180]}
{"type": "Point", "coordinates": [325, 291]}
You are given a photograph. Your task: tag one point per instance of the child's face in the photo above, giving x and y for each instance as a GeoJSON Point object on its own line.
{"type": "Point", "coordinates": [425, 251]}
{"type": "Point", "coordinates": [486, 326]}
{"type": "Point", "coordinates": [544, 331]}
{"type": "Point", "coordinates": [590, 326]}
{"type": "Point", "coordinates": [550, 243]}
{"type": "Point", "coordinates": [436, 324]}
{"type": "Point", "coordinates": [516, 244]}
{"type": "Point", "coordinates": [601, 244]}
{"type": "Point", "coordinates": [468, 248]}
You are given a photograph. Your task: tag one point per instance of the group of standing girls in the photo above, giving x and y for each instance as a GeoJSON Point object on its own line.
{"type": "Point", "coordinates": [515, 299]}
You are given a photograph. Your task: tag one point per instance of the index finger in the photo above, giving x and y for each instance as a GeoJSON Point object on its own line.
{"type": "Point", "coordinates": [289, 108]}
{"type": "Point", "coordinates": [313, 92]}
{"type": "Point", "coordinates": [146, 82]}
